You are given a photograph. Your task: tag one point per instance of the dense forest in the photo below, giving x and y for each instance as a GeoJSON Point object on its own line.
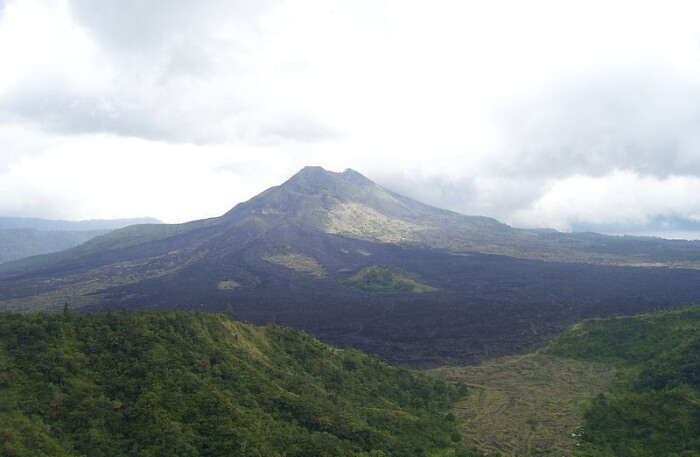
{"type": "Point", "coordinates": [654, 409]}
{"type": "Point", "coordinates": [194, 384]}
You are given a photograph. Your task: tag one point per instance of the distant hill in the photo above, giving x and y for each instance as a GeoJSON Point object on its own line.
{"type": "Point", "coordinates": [72, 226]}
{"type": "Point", "coordinates": [20, 243]}
{"type": "Point", "coordinates": [25, 237]}
{"type": "Point", "coordinates": [186, 384]}
{"type": "Point", "coordinates": [358, 265]}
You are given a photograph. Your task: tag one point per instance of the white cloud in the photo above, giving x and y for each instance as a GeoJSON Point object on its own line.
{"type": "Point", "coordinates": [621, 197]}
{"type": "Point", "coordinates": [499, 108]}
{"type": "Point", "coordinates": [178, 74]}
{"type": "Point", "coordinates": [131, 177]}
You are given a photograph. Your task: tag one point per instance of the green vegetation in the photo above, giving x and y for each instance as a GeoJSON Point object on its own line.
{"type": "Point", "coordinates": [363, 222]}
{"type": "Point", "coordinates": [628, 340]}
{"type": "Point", "coordinates": [615, 387]}
{"type": "Point", "coordinates": [298, 262]}
{"type": "Point", "coordinates": [386, 280]}
{"type": "Point", "coordinates": [525, 405]}
{"type": "Point", "coordinates": [229, 284]}
{"type": "Point", "coordinates": [655, 410]}
{"type": "Point", "coordinates": [179, 384]}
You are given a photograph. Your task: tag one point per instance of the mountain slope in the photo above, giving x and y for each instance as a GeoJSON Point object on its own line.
{"type": "Point", "coordinates": [25, 237]}
{"type": "Point", "coordinates": [177, 384]}
{"type": "Point", "coordinates": [350, 205]}
{"type": "Point", "coordinates": [19, 243]}
{"type": "Point", "coordinates": [290, 254]}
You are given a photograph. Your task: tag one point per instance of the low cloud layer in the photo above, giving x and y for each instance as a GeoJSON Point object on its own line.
{"type": "Point", "coordinates": [617, 199]}
{"type": "Point", "coordinates": [578, 117]}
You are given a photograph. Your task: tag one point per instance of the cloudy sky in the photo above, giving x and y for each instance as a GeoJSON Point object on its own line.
{"type": "Point", "coordinates": [577, 115]}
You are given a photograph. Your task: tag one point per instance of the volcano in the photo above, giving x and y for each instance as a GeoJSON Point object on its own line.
{"type": "Point", "coordinates": [360, 266]}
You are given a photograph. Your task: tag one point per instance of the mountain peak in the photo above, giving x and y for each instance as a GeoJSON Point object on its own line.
{"type": "Point", "coordinates": [349, 204]}
{"type": "Point", "coordinates": [315, 171]}
{"type": "Point", "coordinates": [352, 175]}
{"type": "Point", "coordinates": [313, 179]}
{"type": "Point", "coordinates": [312, 170]}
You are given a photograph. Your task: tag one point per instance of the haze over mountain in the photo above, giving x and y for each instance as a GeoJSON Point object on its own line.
{"type": "Point", "coordinates": [71, 226]}
{"type": "Point", "coordinates": [358, 265]}
{"type": "Point", "coordinates": [24, 237]}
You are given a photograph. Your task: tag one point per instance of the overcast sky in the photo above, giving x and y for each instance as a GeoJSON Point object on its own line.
{"type": "Point", "coordinates": [574, 115]}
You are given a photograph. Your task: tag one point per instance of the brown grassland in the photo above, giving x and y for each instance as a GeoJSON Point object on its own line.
{"type": "Point", "coordinates": [528, 405]}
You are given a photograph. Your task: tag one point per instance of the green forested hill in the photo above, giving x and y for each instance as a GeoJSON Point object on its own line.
{"type": "Point", "coordinates": [614, 387]}
{"type": "Point", "coordinates": [655, 409]}
{"type": "Point", "coordinates": [182, 384]}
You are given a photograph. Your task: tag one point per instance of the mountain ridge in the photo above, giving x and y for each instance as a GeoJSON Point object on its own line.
{"type": "Point", "coordinates": [7, 222]}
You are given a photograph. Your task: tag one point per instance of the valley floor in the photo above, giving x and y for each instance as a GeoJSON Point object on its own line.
{"type": "Point", "coordinates": [527, 405]}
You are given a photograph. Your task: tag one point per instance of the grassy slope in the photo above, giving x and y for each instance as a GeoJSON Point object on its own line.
{"type": "Point", "coordinates": [386, 280]}
{"type": "Point", "coordinates": [178, 384]}
{"type": "Point", "coordinates": [525, 405]}
{"type": "Point", "coordinates": [298, 262]}
{"type": "Point", "coordinates": [632, 384]}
